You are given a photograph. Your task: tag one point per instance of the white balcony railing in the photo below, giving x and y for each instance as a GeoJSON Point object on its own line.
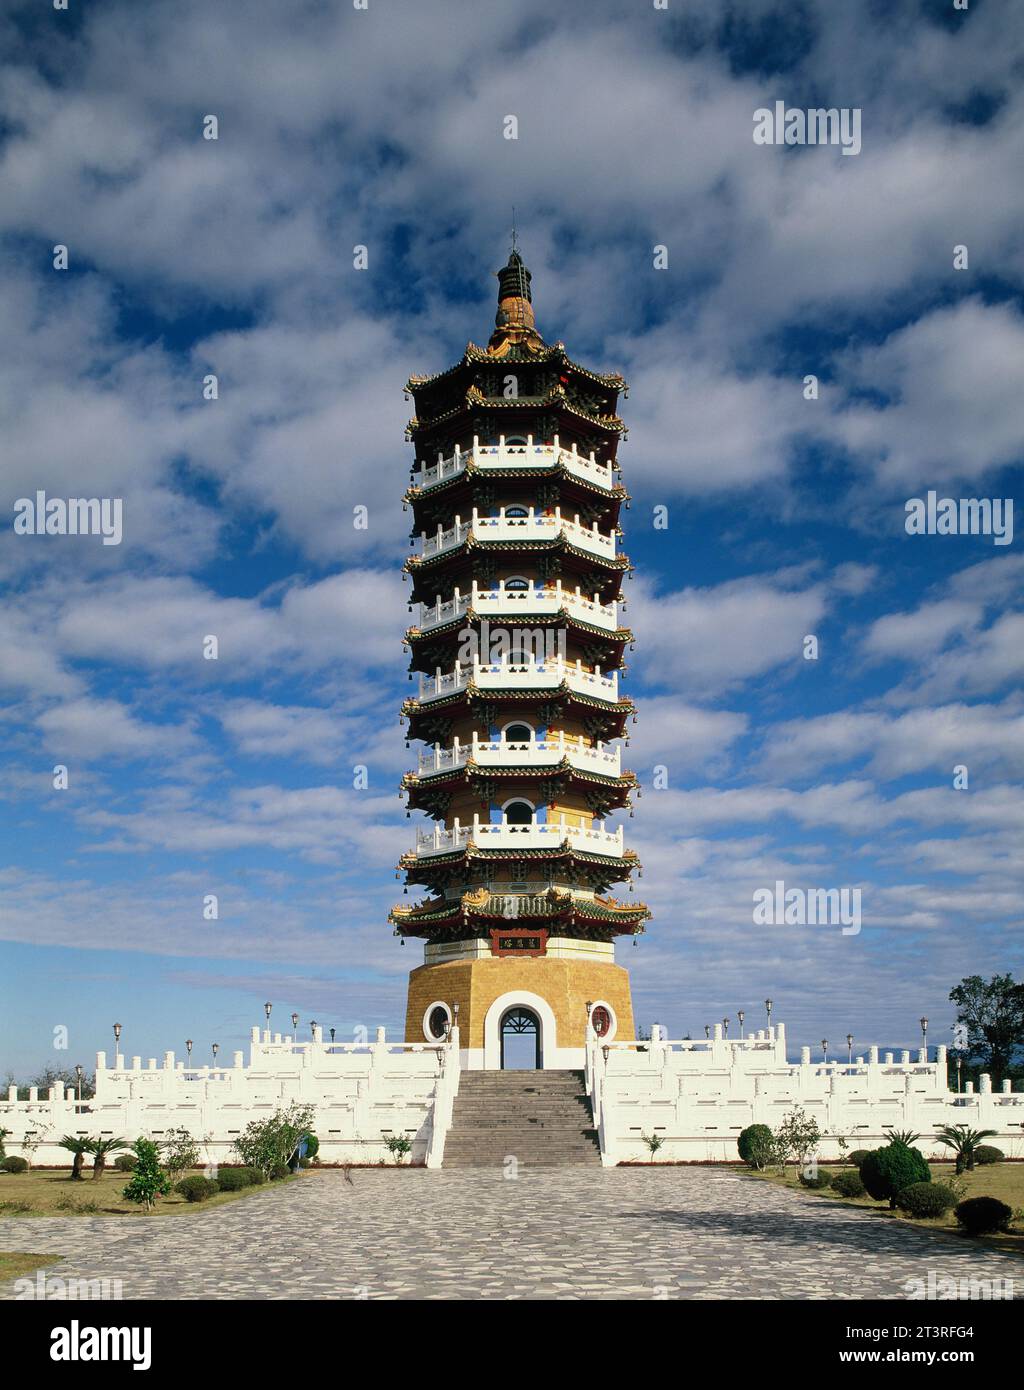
{"type": "Point", "coordinates": [518, 604]}
{"type": "Point", "coordinates": [525, 456]}
{"type": "Point", "coordinates": [441, 840]}
{"type": "Point", "coordinates": [509, 526]}
{"type": "Point", "coordinates": [531, 674]}
{"type": "Point", "coordinates": [537, 752]}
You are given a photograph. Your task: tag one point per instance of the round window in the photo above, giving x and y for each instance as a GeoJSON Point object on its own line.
{"type": "Point", "coordinates": [436, 1022]}
{"type": "Point", "coordinates": [600, 1020]}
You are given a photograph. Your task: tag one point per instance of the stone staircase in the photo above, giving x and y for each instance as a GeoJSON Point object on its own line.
{"type": "Point", "coordinates": [541, 1118]}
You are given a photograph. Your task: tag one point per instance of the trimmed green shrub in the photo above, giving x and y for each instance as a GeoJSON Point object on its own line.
{"type": "Point", "coordinates": [925, 1199]}
{"type": "Point", "coordinates": [196, 1188]}
{"type": "Point", "coordinates": [14, 1163]}
{"type": "Point", "coordinates": [312, 1146]}
{"type": "Point", "coordinates": [280, 1170]}
{"type": "Point", "coordinates": [755, 1145]}
{"type": "Point", "coordinates": [988, 1153]}
{"type": "Point", "coordinates": [233, 1179]}
{"type": "Point", "coordinates": [980, 1216]}
{"type": "Point", "coordinates": [858, 1156]}
{"type": "Point", "coordinates": [256, 1175]}
{"type": "Point", "coordinates": [125, 1163]}
{"type": "Point", "coordinates": [815, 1180]}
{"type": "Point", "coordinates": [848, 1184]}
{"type": "Point", "coordinates": [886, 1172]}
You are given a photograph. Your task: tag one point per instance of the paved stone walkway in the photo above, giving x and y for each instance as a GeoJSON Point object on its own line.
{"type": "Point", "coordinates": [567, 1233]}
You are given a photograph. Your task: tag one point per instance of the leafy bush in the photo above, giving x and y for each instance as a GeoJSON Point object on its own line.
{"type": "Point", "coordinates": [148, 1179]}
{"type": "Point", "coordinates": [180, 1152]}
{"type": "Point", "coordinates": [815, 1180]}
{"type": "Point", "coordinates": [312, 1146]}
{"type": "Point", "coordinates": [981, 1216]}
{"type": "Point", "coordinates": [280, 1170]}
{"type": "Point", "coordinates": [988, 1153]}
{"type": "Point", "coordinates": [886, 1172]}
{"type": "Point", "coordinates": [925, 1199]}
{"type": "Point", "coordinates": [271, 1143]}
{"type": "Point", "coordinates": [256, 1175]}
{"type": "Point", "coordinates": [233, 1179]}
{"type": "Point", "coordinates": [196, 1188]}
{"type": "Point", "coordinates": [858, 1156]}
{"type": "Point", "coordinates": [125, 1163]}
{"type": "Point", "coordinates": [14, 1163]}
{"type": "Point", "coordinates": [398, 1145]}
{"type": "Point", "coordinates": [848, 1183]}
{"type": "Point", "coordinates": [756, 1145]}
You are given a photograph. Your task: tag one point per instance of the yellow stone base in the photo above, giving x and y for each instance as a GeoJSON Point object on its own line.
{"type": "Point", "coordinates": [565, 986]}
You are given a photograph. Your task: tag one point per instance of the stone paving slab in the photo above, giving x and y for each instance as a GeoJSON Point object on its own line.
{"type": "Point", "coordinates": [552, 1233]}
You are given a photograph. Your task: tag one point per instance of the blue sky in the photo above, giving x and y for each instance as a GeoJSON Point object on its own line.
{"type": "Point", "coordinates": [383, 128]}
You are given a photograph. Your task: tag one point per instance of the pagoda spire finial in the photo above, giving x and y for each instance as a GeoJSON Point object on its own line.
{"type": "Point", "coordinates": [514, 322]}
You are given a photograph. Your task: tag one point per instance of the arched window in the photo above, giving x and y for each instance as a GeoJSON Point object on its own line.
{"type": "Point", "coordinates": [517, 733]}
{"type": "Point", "coordinates": [516, 512]}
{"type": "Point", "coordinates": [518, 813]}
{"type": "Point", "coordinates": [516, 584]}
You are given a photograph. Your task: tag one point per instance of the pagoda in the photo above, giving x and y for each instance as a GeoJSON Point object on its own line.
{"type": "Point", "coordinates": [516, 650]}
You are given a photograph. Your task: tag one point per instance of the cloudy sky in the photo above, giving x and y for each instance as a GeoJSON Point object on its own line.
{"type": "Point", "coordinates": [384, 127]}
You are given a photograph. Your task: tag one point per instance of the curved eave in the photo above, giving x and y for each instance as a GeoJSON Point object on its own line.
{"type": "Point", "coordinates": [626, 862]}
{"type": "Point", "coordinates": [612, 424]}
{"type": "Point", "coordinates": [615, 636]}
{"type": "Point", "coordinates": [412, 706]}
{"type": "Point", "coordinates": [418, 563]}
{"type": "Point", "coordinates": [414, 781]}
{"type": "Point", "coordinates": [476, 355]}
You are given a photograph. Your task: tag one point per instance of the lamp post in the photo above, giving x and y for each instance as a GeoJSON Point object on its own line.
{"type": "Point", "coordinates": [312, 1028]}
{"type": "Point", "coordinates": [768, 1011]}
{"type": "Point", "coordinates": [295, 1025]}
{"type": "Point", "coordinates": [725, 1027]}
{"type": "Point", "coordinates": [216, 1049]}
{"type": "Point", "coordinates": [707, 1030]}
{"type": "Point", "coordinates": [117, 1040]}
{"type": "Point", "coordinates": [188, 1051]}
{"type": "Point", "coordinates": [924, 1036]}
{"type": "Point", "coordinates": [78, 1073]}
{"type": "Point", "coordinates": [849, 1048]}
{"type": "Point", "coordinates": [332, 1035]}
{"type": "Point", "coordinates": [741, 1016]}
{"type": "Point", "coordinates": [824, 1050]}
{"type": "Point", "coordinates": [266, 1009]}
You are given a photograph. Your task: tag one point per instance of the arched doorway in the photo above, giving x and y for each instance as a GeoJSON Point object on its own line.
{"type": "Point", "coordinates": [519, 1031]}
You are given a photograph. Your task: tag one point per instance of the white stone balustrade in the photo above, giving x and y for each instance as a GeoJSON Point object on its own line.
{"type": "Point", "coordinates": [506, 526]}
{"type": "Point", "coordinates": [534, 673]}
{"type": "Point", "coordinates": [536, 752]}
{"type": "Point", "coordinates": [525, 456]}
{"type": "Point", "coordinates": [501, 835]}
{"type": "Point", "coordinates": [515, 604]}
{"type": "Point", "coordinates": [698, 1095]}
{"type": "Point", "coordinates": [360, 1091]}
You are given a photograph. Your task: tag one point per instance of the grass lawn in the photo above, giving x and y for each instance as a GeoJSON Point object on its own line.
{"type": "Point", "coordinates": [15, 1263]}
{"type": "Point", "coordinates": [1002, 1180]}
{"type": "Point", "coordinates": [49, 1192]}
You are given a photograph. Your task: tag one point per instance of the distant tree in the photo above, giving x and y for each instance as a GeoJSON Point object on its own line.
{"type": "Point", "coordinates": [992, 1012]}
{"type": "Point", "coordinates": [797, 1137]}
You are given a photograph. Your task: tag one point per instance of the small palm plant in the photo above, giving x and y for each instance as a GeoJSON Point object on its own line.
{"type": "Point", "coordinates": [99, 1148]}
{"type": "Point", "coordinates": [964, 1142]}
{"type": "Point", "coordinates": [906, 1137]}
{"type": "Point", "coordinates": [79, 1145]}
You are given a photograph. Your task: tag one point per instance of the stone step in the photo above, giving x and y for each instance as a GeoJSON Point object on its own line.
{"type": "Point", "coordinates": [540, 1118]}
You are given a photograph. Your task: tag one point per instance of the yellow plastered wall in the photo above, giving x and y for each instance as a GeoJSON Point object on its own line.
{"type": "Point", "coordinates": [567, 985]}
